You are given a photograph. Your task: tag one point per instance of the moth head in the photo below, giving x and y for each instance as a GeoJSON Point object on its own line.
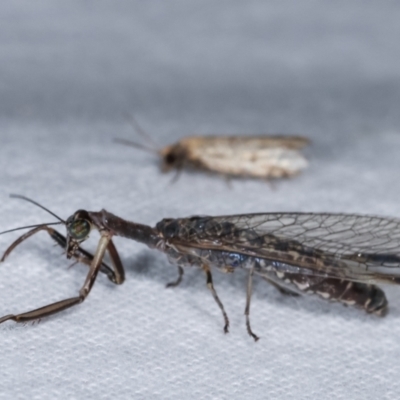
{"type": "Point", "coordinates": [173, 157]}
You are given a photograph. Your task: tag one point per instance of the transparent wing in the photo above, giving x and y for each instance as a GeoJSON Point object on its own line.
{"type": "Point", "coordinates": [356, 247]}
{"type": "Point", "coordinates": [339, 234]}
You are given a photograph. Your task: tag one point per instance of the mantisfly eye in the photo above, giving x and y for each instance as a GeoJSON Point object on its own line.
{"type": "Point", "coordinates": [79, 229]}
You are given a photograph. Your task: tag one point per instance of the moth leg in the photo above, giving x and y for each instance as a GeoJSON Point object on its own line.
{"type": "Point", "coordinates": [80, 255]}
{"type": "Point", "coordinates": [67, 303]}
{"type": "Point", "coordinates": [272, 184]}
{"type": "Point", "coordinates": [281, 287]}
{"type": "Point", "coordinates": [177, 174]}
{"type": "Point", "coordinates": [247, 309]}
{"type": "Point", "coordinates": [210, 286]}
{"type": "Point", "coordinates": [178, 280]}
{"type": "Point", "coordinates": [228, 180]}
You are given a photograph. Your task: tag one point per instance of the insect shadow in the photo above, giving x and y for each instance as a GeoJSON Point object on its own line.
{"type": "Point", "coordinates": [146, 265]}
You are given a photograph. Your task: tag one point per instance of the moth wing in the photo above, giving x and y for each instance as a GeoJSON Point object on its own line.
{"type": "Point", "coordinates": [260, 156]}
{"type": "Point", "coordinates": [248, 141]}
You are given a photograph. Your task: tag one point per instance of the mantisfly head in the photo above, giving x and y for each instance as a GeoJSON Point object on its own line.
{"type": "Point", "coordinates": [78, 227]}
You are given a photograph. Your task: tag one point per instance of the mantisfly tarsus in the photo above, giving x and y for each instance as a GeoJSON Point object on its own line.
{"type": "Point", "coordinates": [338, 257]}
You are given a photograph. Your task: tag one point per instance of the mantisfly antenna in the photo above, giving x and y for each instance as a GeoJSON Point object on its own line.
{"type": "Point", "coordinates": [31, 226]}
{"type": "Point", "coordinates": [18, 196]}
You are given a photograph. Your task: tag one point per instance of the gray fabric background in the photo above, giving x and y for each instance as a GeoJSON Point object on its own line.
{"type": "Point", "coordinates": [69, 71]}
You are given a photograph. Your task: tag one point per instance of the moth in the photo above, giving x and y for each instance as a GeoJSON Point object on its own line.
{"type": "Point", "coordinates": [338, 257]}
{"type": "Point", "coordinates": [253, 156]}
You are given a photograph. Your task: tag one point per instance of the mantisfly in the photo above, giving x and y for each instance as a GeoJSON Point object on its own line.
{"type": "Point", "coordinates": [339, 257]}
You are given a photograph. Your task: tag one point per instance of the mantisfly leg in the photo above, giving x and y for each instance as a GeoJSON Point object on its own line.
{"type": "Point", "coordinates": [84, 257]}
{"type": "Point", "coordinates": [179, 279]}
{"type": "Point", "coordinates": [80, 255]}
{"type": "Point", "coordinates": [216, 298]}
{"type": "Point", "coordinates": [116, 275]}
{"type": "Point", "coordinates": [116, 262]}
{"type": "Point", "coordinates": [247, 309]}
{"type": "Point", "coordinates": [67, 303]}
{"type": "Point", "coordinates": [24, 237]}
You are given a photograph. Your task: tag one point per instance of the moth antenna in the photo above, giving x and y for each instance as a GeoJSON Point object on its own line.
{"type": "Point", "coordinates": [30, 226]}
{"type": "Point", "coordinates": [141, 132]}
{"type": "Point", "coordinates": [18, 196]}
{"type": "Point", "coordinates": [136, 145]}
